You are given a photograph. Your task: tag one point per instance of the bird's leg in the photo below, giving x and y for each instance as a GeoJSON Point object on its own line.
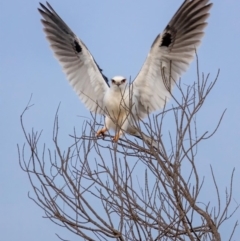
{"type": "Point", "coordinates": [117, 136]}
{"type": "Point", "coordinates": [101, 131]}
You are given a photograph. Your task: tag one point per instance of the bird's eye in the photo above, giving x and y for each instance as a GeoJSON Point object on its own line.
{"type": "Point", "coordinates": [123, 81]}
{"type": "Point", "coordinates": [113, 81]}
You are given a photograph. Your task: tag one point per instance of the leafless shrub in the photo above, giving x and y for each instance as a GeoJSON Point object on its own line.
{"type": "Point", "coordinates": [133, 189]}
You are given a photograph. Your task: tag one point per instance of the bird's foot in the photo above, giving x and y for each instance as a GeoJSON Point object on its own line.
{"type": "Point", "coordinates": [101, 132]}
{"type": "Point", "coordinates": [116, 138]}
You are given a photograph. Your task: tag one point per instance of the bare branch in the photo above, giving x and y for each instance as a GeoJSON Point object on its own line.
{"type": "Point", "coordinates": [136, 189]}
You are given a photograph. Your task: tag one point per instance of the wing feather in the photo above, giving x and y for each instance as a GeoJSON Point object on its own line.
{"type": "Point", "coordinates": [77, 62]}
{"type": "Point", "coordinates": [170, 55]}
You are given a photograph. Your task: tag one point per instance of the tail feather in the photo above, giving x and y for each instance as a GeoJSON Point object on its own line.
{"type": "Point", "coordinates": [147, 139]}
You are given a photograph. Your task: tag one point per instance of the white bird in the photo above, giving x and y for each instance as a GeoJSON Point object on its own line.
{"type": "Point", "coordinates": [169, 56]}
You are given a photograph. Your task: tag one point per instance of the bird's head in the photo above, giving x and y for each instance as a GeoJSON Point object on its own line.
{"type": "Point", "coordinates": [118, 82]}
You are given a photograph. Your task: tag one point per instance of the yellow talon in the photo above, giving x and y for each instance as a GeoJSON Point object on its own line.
{"type": "Point", "coordinates": [101, 132]}
{"type": "Point", "coordinates": [116, 138]}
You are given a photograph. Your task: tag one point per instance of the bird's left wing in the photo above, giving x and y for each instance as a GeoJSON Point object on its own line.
{"type": "Point", "coordinates": [78, 64]}
{"type": "Point", "coordinates": [170, 55]}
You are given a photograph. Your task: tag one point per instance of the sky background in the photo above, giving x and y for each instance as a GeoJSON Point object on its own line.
{"type": "Point", "coordinates": [119, 35]}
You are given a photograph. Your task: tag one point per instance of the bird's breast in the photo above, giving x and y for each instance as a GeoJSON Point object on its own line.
{"type": "Point", "coordinates": [116, 105]}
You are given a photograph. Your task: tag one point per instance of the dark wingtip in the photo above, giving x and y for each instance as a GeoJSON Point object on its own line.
{"type": "Point", "coordinates": [41, 5]}
{"type": "Point", "coordinates": [48, 4]}
{"type": "Point", "coordinates": [44, 8]}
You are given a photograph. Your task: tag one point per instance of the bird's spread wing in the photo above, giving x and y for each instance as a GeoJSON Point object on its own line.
{"type": "Point", "coordinates": [170, 55]}
{"type": "Point", "coordinates": [78, 64]}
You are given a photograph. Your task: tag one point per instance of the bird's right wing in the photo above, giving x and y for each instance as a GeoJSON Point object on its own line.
{"type": "Point", "coordinates": [78, 64]}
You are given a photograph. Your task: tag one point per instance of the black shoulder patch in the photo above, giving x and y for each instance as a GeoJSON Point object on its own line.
{"type": "Point", "coordinates": [101, 71]}
{"type": "Point", "coordinates": [166, 39]}
{"type": "Point", "coordinates": [77, 47]}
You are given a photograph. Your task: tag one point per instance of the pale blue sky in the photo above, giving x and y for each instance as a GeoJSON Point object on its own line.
{"type": "Point", "coordinates": [119, 35]}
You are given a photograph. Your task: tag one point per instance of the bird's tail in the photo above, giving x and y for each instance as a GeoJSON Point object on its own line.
{"type": "Point", "coordinates": [147, 139]}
